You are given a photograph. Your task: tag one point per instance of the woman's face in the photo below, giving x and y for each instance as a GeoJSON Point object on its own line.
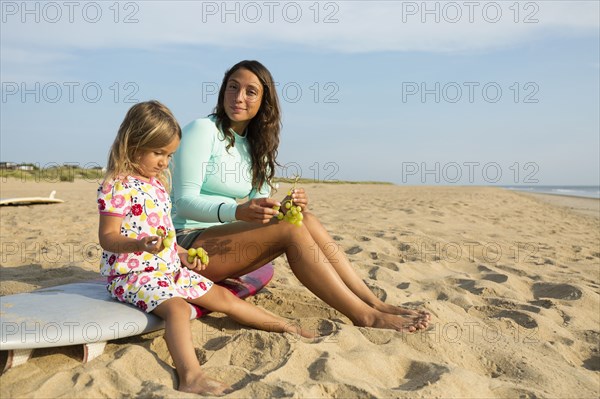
{"type": "Point", "coordinates": [243, 96]}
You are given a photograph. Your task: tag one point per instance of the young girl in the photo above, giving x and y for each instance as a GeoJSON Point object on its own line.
{"type": "Point", "coordinates": [134, 206]}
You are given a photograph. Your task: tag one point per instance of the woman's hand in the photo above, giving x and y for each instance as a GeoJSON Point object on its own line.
{"type": "Point", "coordinates": [300, 198]}
{"type": "Point", "coordinates": [259, 210]}
{"type": "Point", "coordinates": [196, 266]}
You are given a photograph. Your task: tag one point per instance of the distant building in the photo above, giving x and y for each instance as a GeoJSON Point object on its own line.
{"type": "Point", "coordinates": [8, 165]}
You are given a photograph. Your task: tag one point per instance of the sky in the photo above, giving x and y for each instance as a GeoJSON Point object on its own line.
{"type": "Point", "coordinates": [409, 92]}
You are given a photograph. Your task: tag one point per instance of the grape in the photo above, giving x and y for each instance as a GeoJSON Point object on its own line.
{"type": "Point", "coordinates": [169, 239]}
{"type": "Point", "coordinates": [291, 213]}
{"type": "Point", "coordinates": [199, 253]}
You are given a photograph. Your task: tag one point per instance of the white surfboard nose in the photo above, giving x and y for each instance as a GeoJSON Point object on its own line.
{"type": "Point", "coordinates": [52, 194]}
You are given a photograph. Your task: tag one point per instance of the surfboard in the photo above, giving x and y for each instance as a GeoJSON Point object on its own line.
{"type": "Point", "coordinates": [85, 314]}
{"type": "Point", "coordinates": [31, 200]}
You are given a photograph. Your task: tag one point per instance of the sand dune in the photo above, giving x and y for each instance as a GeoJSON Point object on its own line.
{"type": "Point", "coordinates": [512, 281]}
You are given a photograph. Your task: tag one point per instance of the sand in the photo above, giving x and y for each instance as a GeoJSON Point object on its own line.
{"type": "Point", "coordinates": [512, 281]}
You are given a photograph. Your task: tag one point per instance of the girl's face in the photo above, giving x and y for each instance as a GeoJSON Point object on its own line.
{"type": "Point", "coordinates": [243, 96]}
{"type": "Point", "coordinates": [153, 162]}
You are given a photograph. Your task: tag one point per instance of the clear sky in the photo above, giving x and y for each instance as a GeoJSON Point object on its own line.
{"type": "Point", "coordinates": [412, 92]}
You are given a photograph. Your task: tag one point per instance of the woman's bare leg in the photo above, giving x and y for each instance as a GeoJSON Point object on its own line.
{"type": "Point", "coordinates": [343, 267]}
{"type": "Point", "coordinates": [176, 314]}
{"type": "Point", "coordinates": [240, 247]}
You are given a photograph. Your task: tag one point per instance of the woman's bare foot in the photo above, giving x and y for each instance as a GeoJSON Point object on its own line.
{"type": "Point", "coordinates": [399, 323]}
{"type": "Point", "coordinates": [198, 382]}
{"type": "Point", "coordinates": [402, 311]}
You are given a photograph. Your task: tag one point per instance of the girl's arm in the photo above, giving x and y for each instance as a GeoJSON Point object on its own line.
{"type": "Point", "coordinates": [109, 235]}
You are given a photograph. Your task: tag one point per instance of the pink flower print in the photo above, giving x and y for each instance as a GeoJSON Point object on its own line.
{"type": "Point", "coordinates": [202, 285]}
{"type": "Point", "coordinates": [161, 195]}
{"type": "Point", "coordinates": [167, 221]}
{"type": "Point", "coordinates": [122, 257]}
{"type": "Point", "coordinates": [117, 201]}
{"type": "Point", "coordinates": [133, 263]}
{"type": "Point", "coordinates": [112, 259]}
{"type": "Point", "coordinates": [106, 188]}
{"type": "Point", "coordinates": [101, 204]}
{"type": "Point", "coordinates": [132, 278]}
{"type": "Point", "coordinates": [181, 292]}
{"type": "Point", "coordinates": [144, 280]}
{"type": "Point", "coordinates": [126, 210]}
{"type": "Point", "coordinates": [153, 219]}
{"type": "Point", "coordinates": [193, 293]}
{"type": "Point", "coordinates": [163, 283]}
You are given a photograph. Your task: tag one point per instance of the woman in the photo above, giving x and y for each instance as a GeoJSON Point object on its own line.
{"type": "Point", "coordinates": [232, 154]}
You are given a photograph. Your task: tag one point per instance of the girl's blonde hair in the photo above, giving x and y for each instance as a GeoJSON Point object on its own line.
{"type": "Point", "coordinates": [147, 126]}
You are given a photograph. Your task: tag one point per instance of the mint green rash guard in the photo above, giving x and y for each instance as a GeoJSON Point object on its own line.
{"type": "Point", "coordinates": [206, 174]}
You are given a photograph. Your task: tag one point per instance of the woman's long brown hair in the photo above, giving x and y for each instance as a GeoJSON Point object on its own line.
{"type": "Point", "coordinates": [262, 131]}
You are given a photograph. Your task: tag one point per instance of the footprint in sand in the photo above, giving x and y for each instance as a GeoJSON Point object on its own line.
{"type": "Point", "coordinates": [378, 336]}
{"type": "Point", "coordinates": [495, 277]}
{"type": "Point", "coordinates": [593, 363]}
{"type": "Point", "coordinates": [354, 250]}
{"type": "Point", "coordinates": [421, 374]}
{"type": "Point", "coordinates": [510, 305]}
{"type": "Point", "coordinates": [259, 352]}
{"type": "Point", "coordinates": [522, 319]}
{"type": "Point", "coordinates": [378, 291]}
{"type": "Point", "coordinates": [557, 291]}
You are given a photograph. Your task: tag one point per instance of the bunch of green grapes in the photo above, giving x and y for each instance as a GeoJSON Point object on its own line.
{"type": "Point", "coordinates": [200, 253]}
{"type": "Point", "coordinates": [293, 212]}
{"type": "Point", "coordinates": [168, 240]}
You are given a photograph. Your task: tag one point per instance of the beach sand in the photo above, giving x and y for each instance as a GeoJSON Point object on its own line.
{"type": "Point", "coordinates": [511, 279]}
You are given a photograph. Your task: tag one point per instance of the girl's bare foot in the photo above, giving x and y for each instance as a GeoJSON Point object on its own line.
{"type": "Point", "coordinates": [296, 329]}
{"type": "Point", "coordinates": [198, 382]}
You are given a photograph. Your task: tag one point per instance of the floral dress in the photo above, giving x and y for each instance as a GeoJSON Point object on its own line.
{"type": "Point", "coordinates": [141, 278]}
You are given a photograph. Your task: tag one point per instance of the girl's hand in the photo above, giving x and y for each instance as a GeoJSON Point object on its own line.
{"type": "Point", "coordinates": [300, 198]}
{"type": "Point", "coordinates": [259, 210]}
{"type": "Point", "coordinates": [152, 244]}
{"type": "Point", "coordinates": [196, 265]}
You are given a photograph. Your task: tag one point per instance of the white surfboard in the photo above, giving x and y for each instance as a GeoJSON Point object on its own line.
{"type": "Point", "coordinates": [85, 314]}
{"type": "Point", "coordinates": [31, 200]}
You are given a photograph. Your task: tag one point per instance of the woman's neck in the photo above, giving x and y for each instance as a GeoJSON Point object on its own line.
{"type": "Point", "coordinates": [239, 128]}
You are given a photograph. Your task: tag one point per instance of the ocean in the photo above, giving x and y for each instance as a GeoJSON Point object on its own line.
{"type": "Point", "coordinates": [574, 191]}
